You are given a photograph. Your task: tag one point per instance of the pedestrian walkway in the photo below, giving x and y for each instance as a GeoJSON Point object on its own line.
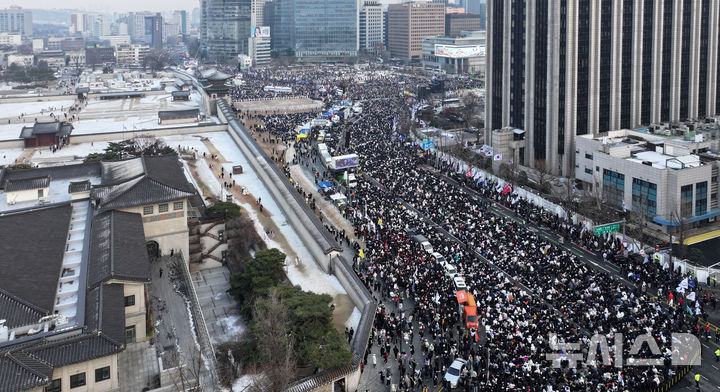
{"type": "Point", "coordinates": [329, 210]}
{"type": "Point", "coordinates": [220, 309]}
{"type": "Point", "coordinates": [138, 367]}
{"type": "Point", "coordinates": [702, 237]}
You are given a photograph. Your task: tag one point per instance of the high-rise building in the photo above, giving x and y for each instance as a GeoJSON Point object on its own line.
{"type": "Point", "coordinates": [257, 9]}
{"type": "Point", "coordinates": [316, 30]}
{"type": "Point", "coordinates": [154, 30]}
{"type": "Point", "coordinates": [561, 68]}
{"type": "Point", "coordinates": [409, 23]}
{"type": "Point", "coordinates": [195, 16]}
{"type": "Point", "coordinates": [136, 26]}
{"type": "Point", "coordinates": [473, 6]}
{"type": "Point", "coordinates": [98, 25]}
{"type": "Point", "coordinates": [15, 20]}
{"type": "Point", "coordinates": [78, 22]}
{"type": "Point", "coordinates": [182, 20]}
{"type": "Point", "coordinates": [371, 26]}
{"type": "Point", "coordinates": [224, 29]}
{"type": "Point", "coordinates": [457, 23]}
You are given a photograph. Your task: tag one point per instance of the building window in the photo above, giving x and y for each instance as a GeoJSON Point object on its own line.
{"type": "Point", "coordinates": [686, 201]}
{"type": "Point", "coordinates": [40, 193]}
{"type": "Point", "coordinates": [178, 205]}
{"type": "Point", "coordinates": [701, 198]}
{"type": "Point", "coordinates": [102, 374]}
{"type": "Point", "coordinates": [588, 171]}
{"type": "Point", "coordinates": [55, 386]}
{"type": "Point", "coordinates": [613, 187]}
{"type": "Point", "coordinates": [163, 208]}
{"type": "Point", "coordinates": [597, 169]}
{"type": "Point", "coordinates": [588, 156]}
{"type": "Point", "coordinates": [77, 380]}
{"type": "Point", "coordinates": [148, 210]}
{"type": "Point", "coordinates": [130, 334]}
{"type": "Point", "coordinates": [129, 300]}
{"type": "Point", "coordinates": [644, 197]}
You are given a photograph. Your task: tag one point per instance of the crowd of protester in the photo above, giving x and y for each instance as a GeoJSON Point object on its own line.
{"type": "Point", "coordinates": [531, 292]}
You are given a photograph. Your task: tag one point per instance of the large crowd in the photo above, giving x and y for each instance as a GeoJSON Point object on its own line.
{"type": "Point", "coordinates": [531, 292]}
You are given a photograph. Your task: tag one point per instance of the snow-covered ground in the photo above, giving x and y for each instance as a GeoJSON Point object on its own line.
{"type": "Point", "coordinates": [307, 274]}
{"type": "Point", "coordinates": [354, 319]}
{"type": "Point", "coordinates": [83, 126]}
{"type": "Point", "coordinates": [73, 151]}
{"type": "Point", "coordinates": [12, 131]}
{"type": "Point", "coordinates": [244, 382]}
{"type": "Point", "coordinates": [32, 108]}
{"type": "Point", "coordinates": [9, 155]}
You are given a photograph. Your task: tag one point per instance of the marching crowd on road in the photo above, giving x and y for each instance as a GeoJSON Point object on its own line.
{"type": "Point", "coordinates": [532, 293]}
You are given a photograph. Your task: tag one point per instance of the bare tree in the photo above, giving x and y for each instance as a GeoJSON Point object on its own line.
{"type": "Point", "coordinates": [275, 345]}
{"type": "Point", "coordinates": [681, 233]}
{"type": "Point", "coordinates": [157, 59]}
{"type": "Point", "coordinates": [543, 173]}
{"type": "Point", "coordinates": [471, 103]}
{"type": "Point", "coordinates": [189, 369]}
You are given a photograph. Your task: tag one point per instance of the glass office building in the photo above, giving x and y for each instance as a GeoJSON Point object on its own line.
{"type": "Point", "coordinates": [316, 30]}
{"type": "Point", "coordinates": [224, 29]}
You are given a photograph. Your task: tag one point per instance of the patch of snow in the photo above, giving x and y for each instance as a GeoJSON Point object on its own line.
{"type": "Point", "coordinates": [233, 326]}
{"type": "Point", "coordinates": [8, 156]}
{"type": "Point", "coordinates": [244, 382]}
{"type": "Point", "coordinates": [354, 319]}
{"type": "Point", "coordinates": [79, 150]}
{"type": "Point", "coordinates": [12, 131]}
{"type": "Point", "coordinates": [89, 126]}
{"type": "Point", "coordinates": [32, 109]}
{"type": "Point", "coordinates": [207, 176]}
{"type": "Point", "coordinates": [307, 274]}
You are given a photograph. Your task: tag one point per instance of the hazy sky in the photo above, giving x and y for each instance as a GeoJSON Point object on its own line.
{"type": "Point", "coordinates": [110, 5]}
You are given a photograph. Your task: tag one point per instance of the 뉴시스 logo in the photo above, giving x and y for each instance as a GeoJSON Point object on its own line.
{"type": "Point", "coordinates": [684, 350]}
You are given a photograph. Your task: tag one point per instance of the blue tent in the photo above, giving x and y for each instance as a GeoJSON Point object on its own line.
{"type": "Point", "coordinates": [324, 185]}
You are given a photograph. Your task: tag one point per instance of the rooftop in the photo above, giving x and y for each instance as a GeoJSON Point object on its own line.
{"type": "Point", "coordinates": [33, 247]}
{"type": "Point", "coordinates": [57, 179]}
{"type": "Point", "coordinates": [658, 151]}
{"type": "Point", "coordinates": [141, 181]}
{"type": "Point", "coordinates": [117, 249]}
{"type": "Point", "coordinates": [663, 161]}
{"type": "Point", "coordinates": [40, 128]}
{"type": "Point", "coordinates": [170, 114]}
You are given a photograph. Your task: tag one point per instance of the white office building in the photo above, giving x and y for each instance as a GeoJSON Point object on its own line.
{"type": "Point", "coordinates": [371, 25]}
{"type": "Point", "coordinates": [668, 181]}
{"type": "Point", "coordinates": [15, 20]}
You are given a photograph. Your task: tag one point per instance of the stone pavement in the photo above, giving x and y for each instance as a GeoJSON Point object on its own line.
{"type": "Point", "coordinates": [329, 211]}
{"type": "Point", "coordinates": [138, 368]}
{"type": "Point", "coordinates": [174, 335]}
{"type": "Point", "coordinates": [221, 310]}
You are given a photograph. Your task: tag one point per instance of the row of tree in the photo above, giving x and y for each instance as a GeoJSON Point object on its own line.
{"type": "Point", "coordinates": [289, 328]}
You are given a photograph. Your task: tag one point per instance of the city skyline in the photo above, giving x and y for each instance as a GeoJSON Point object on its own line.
{"type": "Point", "coordinates": [110, 6]}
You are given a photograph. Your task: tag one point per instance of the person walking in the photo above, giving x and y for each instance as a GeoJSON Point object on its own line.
{"type": "Point", "coordinates": [697, 380]}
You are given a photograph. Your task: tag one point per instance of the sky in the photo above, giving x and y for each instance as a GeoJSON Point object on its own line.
{"type": "Point", "coordinates": [111, 5]}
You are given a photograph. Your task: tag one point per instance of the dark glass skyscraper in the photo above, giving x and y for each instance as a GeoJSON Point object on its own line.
{"type": "Point", "coordinates": [316, 29]}
{"type": "Point", "coordinates": [224, 29]}
{"type": "Point", "coordinates": [561, 68]}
